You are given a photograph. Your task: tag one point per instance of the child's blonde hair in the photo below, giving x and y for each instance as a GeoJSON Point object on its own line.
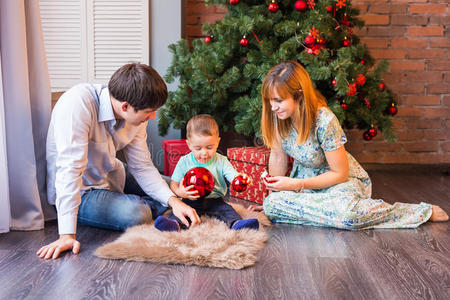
{"type": "Point", "coordinates": [202, 124]}
{"type": "Point", "coordinates": [289, 79]}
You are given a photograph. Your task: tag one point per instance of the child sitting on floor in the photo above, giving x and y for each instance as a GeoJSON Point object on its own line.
{"type": "Point", "coordinates": [203, 140]}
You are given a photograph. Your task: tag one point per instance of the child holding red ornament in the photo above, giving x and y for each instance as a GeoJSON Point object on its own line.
{"type": "Point", "coordinates": [203, 140]}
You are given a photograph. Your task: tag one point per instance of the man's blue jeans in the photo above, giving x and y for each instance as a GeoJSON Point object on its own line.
{"type": "Point", "coordinates": [111, 210]}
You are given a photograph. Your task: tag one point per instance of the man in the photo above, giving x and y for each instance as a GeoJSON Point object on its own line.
{"type": "Point", "coordinates": [85, 180]}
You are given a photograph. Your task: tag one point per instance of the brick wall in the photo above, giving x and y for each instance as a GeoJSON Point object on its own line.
{"type": "Point", "coordinates": [414, 36]}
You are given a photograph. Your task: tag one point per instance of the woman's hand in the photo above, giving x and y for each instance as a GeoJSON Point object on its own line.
{"type": "Point", "coordinates": [282, 183]}
{"type": "Point", "coordinates": [187, 192]}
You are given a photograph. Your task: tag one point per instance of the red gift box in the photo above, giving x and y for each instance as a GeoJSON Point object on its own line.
{"type": "Point", "coordinates": [251, 161]}
{"type": "Point", "coordinates": [173, 151]}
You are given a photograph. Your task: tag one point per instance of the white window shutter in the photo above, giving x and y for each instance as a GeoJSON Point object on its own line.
{"type": "Point", "coordinates": [64, 28]}
{"type": "Point", "coordinates": [87, 40]}
{"type": "Point", "coordinates": [118, 33]}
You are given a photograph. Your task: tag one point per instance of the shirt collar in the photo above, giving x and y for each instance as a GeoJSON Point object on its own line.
{"type": "Point", "coordinates": [105, 110]}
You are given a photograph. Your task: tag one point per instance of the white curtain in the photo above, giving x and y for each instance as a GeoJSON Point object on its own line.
{"type": "Point", "coordinates": [25, 105]}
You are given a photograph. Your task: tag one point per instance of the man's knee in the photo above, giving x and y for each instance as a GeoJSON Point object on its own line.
{"type": "Point", "coordinates": [134, 214]}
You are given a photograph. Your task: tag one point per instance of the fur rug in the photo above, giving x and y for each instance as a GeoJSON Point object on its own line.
{"type": "Point", "coordinates": [210, 244]}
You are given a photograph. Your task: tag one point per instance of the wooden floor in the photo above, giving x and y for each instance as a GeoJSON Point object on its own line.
{"type": "Point", "coordinates": [297, 263]}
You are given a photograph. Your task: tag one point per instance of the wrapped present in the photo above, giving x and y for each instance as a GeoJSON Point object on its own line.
{"type": "Point", "coordinates": [252, 161]}
{"type": "Point", "coordinates": [173, 151]}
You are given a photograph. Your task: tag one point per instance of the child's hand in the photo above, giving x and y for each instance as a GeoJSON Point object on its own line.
{"type": "Point", "coordinates": [187, 192]}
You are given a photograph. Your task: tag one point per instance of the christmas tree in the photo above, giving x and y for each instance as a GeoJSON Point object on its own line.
{"type": "Point", "coordinates": [222, 74]}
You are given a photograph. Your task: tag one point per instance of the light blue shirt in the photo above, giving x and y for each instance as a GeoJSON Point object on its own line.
{"type": "Point", "coordinates": [218, 165]}
{"type": "Point", "coordinates": [82, 142]}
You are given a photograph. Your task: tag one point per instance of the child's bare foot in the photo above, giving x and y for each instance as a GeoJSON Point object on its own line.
{"type": "Point", "coordinates": [438, 214]}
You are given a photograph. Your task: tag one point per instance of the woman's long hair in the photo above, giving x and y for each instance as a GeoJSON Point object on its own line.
{"type": "Point", "coordinates": [289, 79]}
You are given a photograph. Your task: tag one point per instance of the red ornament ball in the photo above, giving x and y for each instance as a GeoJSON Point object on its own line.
{"type": "Point", "coordinates": [273, 7]}
{"type": "Point", "coordinates": [366, 136]}
{"type": "Point", "coordinates": [347, 43]}
{"type": "Point", "coordinates": [372, 131]}
{"type": "Point", "coordinates": [234, 2]}
{"type": "Point", "coordinates": [333, 83]}
{"type": "Point", "coordinates": [207, 39]}
{"type": "Point", "coordinates": [382, 86]}
{"type": "Point", "coordinates": [352, 89]}
{"type": "Point", "coordinates": [309, 40]}
{"type": "Point", "coordinates": [244, 42]}
{"type": "Point", "coordinates": [300, 5]}
{"type": "Point", "coordinates": [329, 9]}
{"type": "Point", "coordinates": [392, 110]}
{"type": "Point", "coordinates": [363, 61]}
{"type": "Point", "coordinates": [344, 106]}
{"type": "Point", "coordinates": [201, 179]}
{"type": "Point", "coordinates": [360, 79]}
{"type": "Point", "coordinates": [240, 183]}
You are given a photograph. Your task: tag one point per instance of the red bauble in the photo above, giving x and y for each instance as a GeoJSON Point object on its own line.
{"type": "Point", "coordinates": [273, 7]}
{"type": "Point", "coordinates": [392, 110]}
{"type": "Point", "coordinates": [201, 179]}
{"type": "Point", "coordinates": [372, 131]}
{"type": "Point", "coordinates": [347, 43]}
{"type": "Point", "coordinates": [360, 79]}
{"type": "Point", "coordinates": [329, 9]}
{"type": "Point", "coordinates": [382, 86]}
{"type": "Point", "coordinates": [309, 41]}
{"type": "Point", "coordinates": [310, 50]}
{"type": "Point", "coordinates": [333, 83]}
{"type": "Point", "coordinates": [367, 136]}
{"type": "Point", "coordinates": [363, 61]}
{"type": "Point", "coordinates": [207, 39]}
{"type": "Point", "coordinates": [352, 89]}
{"type": "Point", "coordinates": [240, 183]}
{"type": "Point", "coordinates": [300, 5]}
{"type": "Point", "coordinates": [244, 42]}
{"type": "Point", "coordinates": [234, 2]}
{"type": "Point", "coordinates": [344, 106]}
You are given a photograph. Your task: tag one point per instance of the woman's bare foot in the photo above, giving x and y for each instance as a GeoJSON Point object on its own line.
{"type": "Point", "coordinates": [438, 214]}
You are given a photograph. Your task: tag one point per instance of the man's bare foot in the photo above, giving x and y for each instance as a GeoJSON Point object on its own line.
{"type": "Point", "coordinates": [438, 214]}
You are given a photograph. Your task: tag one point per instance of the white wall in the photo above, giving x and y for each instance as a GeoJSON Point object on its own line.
{"type": "Point", "coordinates": [165, 29]}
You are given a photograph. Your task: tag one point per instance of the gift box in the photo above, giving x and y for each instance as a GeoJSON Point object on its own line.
{"type": "Point", "coordinates": [173, 151]}
{"type": "Point", "coordinates": [251, 161]}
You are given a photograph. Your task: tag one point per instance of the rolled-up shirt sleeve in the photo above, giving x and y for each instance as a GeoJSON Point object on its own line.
{"type": "Point", "coordinates": [144, 171]}
{"type": "Point", "coordinates": [71, 134]}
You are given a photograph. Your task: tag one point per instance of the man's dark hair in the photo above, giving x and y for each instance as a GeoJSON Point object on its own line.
{"type": "Point", "coordinates": [138, 84]}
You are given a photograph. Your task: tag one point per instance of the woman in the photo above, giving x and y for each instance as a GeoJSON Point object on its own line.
{"type": "Point", "coordinates": [327, 186]}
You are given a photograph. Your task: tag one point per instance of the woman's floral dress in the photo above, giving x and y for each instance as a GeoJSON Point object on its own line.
{"type": "Point", "coordinates": [346, 205]}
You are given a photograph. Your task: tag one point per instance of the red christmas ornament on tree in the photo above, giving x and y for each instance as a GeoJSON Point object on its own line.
{"type": "Point", "coordinates": [333, 83]}
{"type": "Point", "coordinates": [207, 39]}
{"type": "Point", "coordinates": [234, 2]}
{"type": "Point", "coordinates": [344, 106]}
{"type": "Point", "coordinates": [372, 131]}
{"type": "Point", "coordinates": [300, 5]}
{"type": "Point", "coordinates": [201, 179]}
{"type": "Point", "coordinates": [347, 42]}
{"type": "Point", "coordinates": [352, 89]}
{"type": "Point", "coordinates": [392, 110]}
{"type": "Point", "coordinates": [382, 86]}
{"type": "Point", "coordinates": [273, 7]}
{"type": "Point", "coordinates": [329, 9]}
{"type": "Point", "coordinates": [367, 136]}
{"type": "Point", "coordinates": [239, 183]}
{"type": "Point", "coordinates": [309, 41]}
{"type": "Point", "coordinates": [244, 42]}
{"type": "Point", "coordinates": [363, 61]}
{"type": "Point", "coordinates": [360, 79]}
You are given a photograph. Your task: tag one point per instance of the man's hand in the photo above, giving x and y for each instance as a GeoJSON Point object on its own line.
{"type": "Point", "coordinates": [64, 243]}
{"type": "Point", "coordinates": [187, 192]}
{"type": "Point", "coordinates": [181, 211]}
